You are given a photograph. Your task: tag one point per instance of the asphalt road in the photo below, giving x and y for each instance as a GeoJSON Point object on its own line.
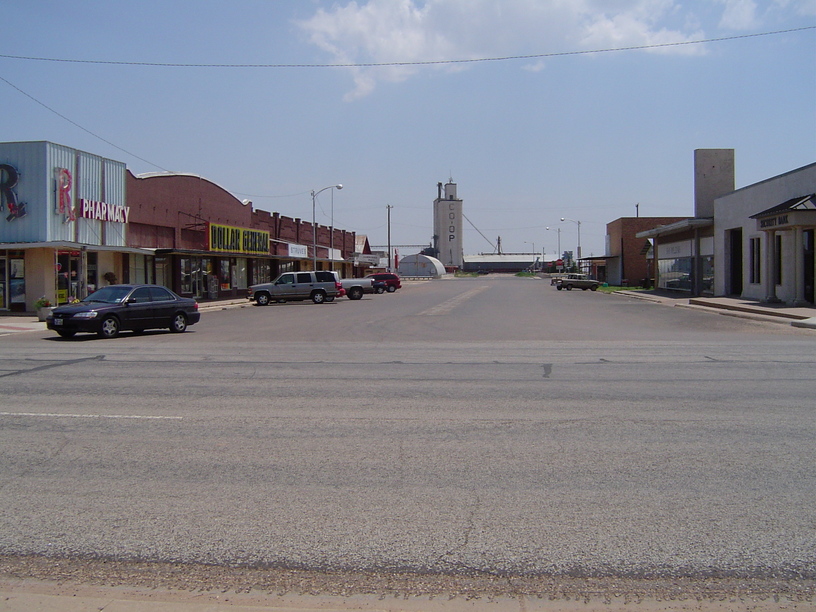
{"type": "Point", "coordinates": [490, 426]}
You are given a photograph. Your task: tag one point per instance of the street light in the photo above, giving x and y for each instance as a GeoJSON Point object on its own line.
{"type": "Point", "coordinates": [578, 223]}
{"type": "Point", "coordinates": [558, 252]}
{"type": "Point", "coordinates": [314, 224]}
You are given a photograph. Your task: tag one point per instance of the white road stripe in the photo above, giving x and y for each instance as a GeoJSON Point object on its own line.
{"type": "Point", "coordinates": [446, 307]}
{"type": "Point", "coordinates": [90, 416]}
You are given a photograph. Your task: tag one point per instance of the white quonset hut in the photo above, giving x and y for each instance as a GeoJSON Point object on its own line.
{"type": "Point", "coordinates": [422, 266]}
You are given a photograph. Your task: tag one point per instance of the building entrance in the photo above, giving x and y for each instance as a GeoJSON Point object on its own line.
{"type": "Point", "coordinates": [68, 276]}
{"type": "Point", "coordinates": [810, 264]}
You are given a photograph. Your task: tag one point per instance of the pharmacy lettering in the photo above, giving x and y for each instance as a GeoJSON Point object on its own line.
{"type": "Point", "coordinates": [64, 198]}
{"type": "Point", "coordinates": [8, 198]}
{"type": "Point", "coordinates": [100, 211]}
{"type": "Point", "coordinates": [229, 239]}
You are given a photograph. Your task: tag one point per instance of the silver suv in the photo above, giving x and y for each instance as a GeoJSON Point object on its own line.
{"type": "Point", "coordinates": [319, 286]}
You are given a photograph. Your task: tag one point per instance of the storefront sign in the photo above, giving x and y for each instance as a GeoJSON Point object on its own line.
{"type": "Point", "coordinates": [8, 198]}
{"type": "Point", "coordinates": [64, 199]}
{"type": "Point", "coordinates": [298, 250]}
{"type": "Point", "coordinates": [100, 211]}
{"type": "Point", "coordinates": [777, 221]}
{"type": "Point", "coordinates": [238, 240]}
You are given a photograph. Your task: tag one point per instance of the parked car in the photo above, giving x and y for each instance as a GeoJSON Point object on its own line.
{"type": "Point", "coordinates": [356, 287]}
{"type": "Point", "coordinates": [112, 309]}
{"type": "Point", "coordinates": [577, 281]}
{"type": "Point", "coordinates": [392, 281]}
{"type": "Point", "coordinates": [317, 285]}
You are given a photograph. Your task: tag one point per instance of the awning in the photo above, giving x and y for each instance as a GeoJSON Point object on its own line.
{"type": "Point", "coordinates": [676, 228]}
{"type": "Point", "coordinates": [73, 246]}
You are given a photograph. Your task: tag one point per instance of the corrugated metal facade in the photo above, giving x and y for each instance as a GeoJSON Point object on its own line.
{"type": "Point", "coordinates": [38, 186]}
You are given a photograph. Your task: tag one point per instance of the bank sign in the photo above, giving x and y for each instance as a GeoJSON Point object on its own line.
{"type": "Point", "coordinates": [228, 239]}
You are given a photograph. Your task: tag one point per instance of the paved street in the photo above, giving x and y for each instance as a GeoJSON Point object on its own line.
{"type": "Point", "coordinates": [485, 427]}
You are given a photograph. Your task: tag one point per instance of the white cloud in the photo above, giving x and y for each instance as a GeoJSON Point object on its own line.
{"type": "Point", "coordinates": [800, 7]}
{"type": "Point", "coordinates": [410, 31]}
{"type": "Point", "coordinates": [739, 15]}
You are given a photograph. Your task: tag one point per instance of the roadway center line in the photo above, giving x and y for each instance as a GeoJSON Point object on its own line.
{"type": "Point", "coordinates": [447, 306]}
{"type": "Point", "coordinates": [91, 416]}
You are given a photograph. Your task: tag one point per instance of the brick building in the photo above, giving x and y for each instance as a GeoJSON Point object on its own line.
{"type": "Point", "coordinates": [209, 244]}
{"type": "Point", "coordinates": [626, 255]}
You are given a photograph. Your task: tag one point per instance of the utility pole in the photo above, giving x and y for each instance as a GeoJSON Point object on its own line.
{"type": "Point", "coordinates": [388, 208]}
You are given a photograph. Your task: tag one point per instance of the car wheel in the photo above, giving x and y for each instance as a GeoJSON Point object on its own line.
{"type": "Point", "coordinates": [329, 298]}
{"type": "Point", "coordinates": [569, 287]}
{"type": "Point", "coordinates": [584, 288]}
{"type": "Point", "coordinates": [355, 293]}
{"type": "Point", "coordinates": [380, 290]}
{"type": "Point", "coordinates": [318, 297]}
{"type": "Point", "coordinates": [179, 323]}
{"type": "Point", "coordinates": [559, 287]}
{"type": "Point", "coordinates": [66, 334]}
{"type": "Point", "coordinates": [110, 327]}
{"type": "Point", "coordinates": [391, 289]}
{"type": "Point", "coordinates": [262, 299]}
{"type": "Point", "coordinates": [594, 287]}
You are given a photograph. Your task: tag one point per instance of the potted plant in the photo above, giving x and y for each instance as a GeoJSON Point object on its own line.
{"type": "Point", "coordinates": [43, 306]}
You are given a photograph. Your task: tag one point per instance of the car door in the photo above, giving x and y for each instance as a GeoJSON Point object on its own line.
{"type": "Point", "coordinates": [303, 285]}
{"type": "Point", "coordinates": [285, 286]}
{"type": "Point", "coordinates": [164, 306]}
{"type": "Point", "coordinates": [138, 311]}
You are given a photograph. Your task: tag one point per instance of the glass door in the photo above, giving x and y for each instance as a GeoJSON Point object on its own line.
{"type": "Point", "coordinates": [3, 294]}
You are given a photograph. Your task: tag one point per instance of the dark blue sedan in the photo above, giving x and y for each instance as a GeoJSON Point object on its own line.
{"type": "Point", "coordinates": [112, 309]}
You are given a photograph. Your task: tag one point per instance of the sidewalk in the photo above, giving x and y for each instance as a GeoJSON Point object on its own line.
{"type": "Point", "coordinates": [804, 317]}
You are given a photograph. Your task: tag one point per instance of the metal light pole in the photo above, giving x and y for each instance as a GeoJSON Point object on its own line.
{"type": "Point", "coordinates": [314, 224]}
{"type": "Point", "coordinates": [388, 208]}
{"type": "Point", "coordinates": [558, 253]}
{"type": "Point", "coordinates": [534, 252]}
{"type": "Point", "coordinates": [578, 223]}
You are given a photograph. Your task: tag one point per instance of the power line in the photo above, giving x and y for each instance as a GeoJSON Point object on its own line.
{"type": "Point", "coordinates": [411, 63]}
{"type": "Point", "coordinates": [75, 124]}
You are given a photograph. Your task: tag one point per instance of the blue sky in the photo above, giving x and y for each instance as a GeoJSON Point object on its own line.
{"type": "Point", "coordinates": [565, 133]}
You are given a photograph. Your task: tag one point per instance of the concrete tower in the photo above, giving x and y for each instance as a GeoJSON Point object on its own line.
{"type": "Point", "coordinates": [448, 228]}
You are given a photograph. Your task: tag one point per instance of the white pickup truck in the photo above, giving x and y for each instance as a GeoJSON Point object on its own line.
{"type": "Point", "coordinates": [356, 287]}
{"type": "Point", "coordinates": [577, 281]}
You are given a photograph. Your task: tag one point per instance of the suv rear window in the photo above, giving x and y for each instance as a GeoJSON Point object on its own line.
{"type": "Point", "coordinates": [324, 276]}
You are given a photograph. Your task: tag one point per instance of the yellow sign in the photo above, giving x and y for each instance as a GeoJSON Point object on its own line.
{"type": "Point", "coordinates": [230, 239]}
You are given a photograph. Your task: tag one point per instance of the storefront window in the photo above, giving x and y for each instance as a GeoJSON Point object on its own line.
{"type": "Point", "coordinates": [3, 304]}
{"type": "Point", "coordinates": [261, 271]}
{"type": "Point", "coordinates": [186, 276]}
{"type": "Point", "coordinates": [708, 275]}
{"type": "Point", "coordinates": [240, 280]}
{"type": "Point", "coordinates": [17, 280]}
{"type": "Point", "coordinates": [141, 269]}
{"type": "Point", "coordinates": [92, 280]}
{"type": "Point", "coordinates": [675, 273]}
{"type": "Point", "coordinates": [225, 275]}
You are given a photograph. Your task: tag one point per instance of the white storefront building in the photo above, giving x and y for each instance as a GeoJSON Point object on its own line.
{"type": "Point", "coordinates": [764, 239]}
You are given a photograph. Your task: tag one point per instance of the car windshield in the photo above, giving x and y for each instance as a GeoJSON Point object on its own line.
{"type": "Point", "coordinates": [109, 295]}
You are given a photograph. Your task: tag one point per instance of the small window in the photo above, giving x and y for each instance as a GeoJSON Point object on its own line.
{"type": "Point", "coordinates": [286, 279]}
{"type": "Point", "coordinates": [304, 277]}
{"type": "Point", "coordinates": [755, 261]}
{"type": "Point", "coordinates": [140, 295]}
{"type": "Point", "coordinates": [160, 294]}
